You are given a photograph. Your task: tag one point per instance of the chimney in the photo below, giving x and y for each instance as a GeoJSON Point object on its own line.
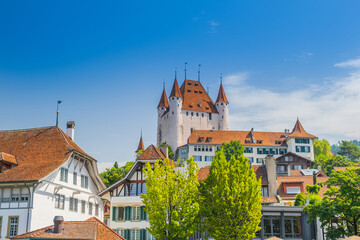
{"type": "Point", "coordinates": [164, 149]}
{"type": "Point", "coordinates": [270, 167]}
{"type": "Point", "coordinates": [252, 135]}
{"type": "Point", "coordinates": [58, 224]}
{"type": "Point", "coordinates": [70, 129]}
{"type": "Point", "coordinates": [286, 132]}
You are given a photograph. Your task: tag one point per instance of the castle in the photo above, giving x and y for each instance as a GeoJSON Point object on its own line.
{"type": "Point", "coordinates": [190, 108]}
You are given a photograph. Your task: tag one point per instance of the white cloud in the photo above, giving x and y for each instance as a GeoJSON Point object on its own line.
{"type": "Point", "coordinates": [329, 110]}
{"type": "Point", "coordinates": [213, 26]}
{"type": "Point", "coordinates": [353, 63]}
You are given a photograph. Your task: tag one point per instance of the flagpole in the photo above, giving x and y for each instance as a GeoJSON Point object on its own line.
{"type": "Point", "coordinates": [57, 112]}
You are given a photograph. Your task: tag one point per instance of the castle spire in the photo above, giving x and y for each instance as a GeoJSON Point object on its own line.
{"type": "Point", "coordinates": [141, 144]}
{"type": "Point", "coordinates": [163, 100]}
{"type": "Point", "coordinates": [175, 92]}
{"type": "Point", "coordinates": [221, 95]}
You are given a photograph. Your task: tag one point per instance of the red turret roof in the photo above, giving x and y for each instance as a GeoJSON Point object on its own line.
{"type": "Point", "coordinates": [221, 96]}
{"type": "Point", "coordinates": [151, 153]}
{"type": "Point", "coordinates": [299, 131]}
{"type": "Point", "coordinates": [175, 92]}
{"type": "Point", "coordinates": [163, 100]}
{"type": "Point", "coordinates": [141, 145]}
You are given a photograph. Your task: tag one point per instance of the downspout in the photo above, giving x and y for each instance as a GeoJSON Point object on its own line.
{"type": "Point", "coordinates": [28, 208]}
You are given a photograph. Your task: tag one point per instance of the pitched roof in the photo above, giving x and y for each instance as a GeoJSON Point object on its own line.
{"type": "Point", "coordinates": [299, 131]}
{"type": "Point", "coordinates": [8, 158]}
{"type": "Point", "coordinates": [175, 92]}
{"type": "Point", "coordinates": [345, 168]}
{"type": "Point", "coordinates": [269, 200]}
{"type": "Point", "coordinates": [38, 152]}
{"type": "Point", "coordinates": [221, 95]}
{"type": "Point", "coordinates": [352, 238]}
{"type": "Point", "coordinates": [220, 136]}
{"type": "Point", "coordinates": [141, 145]}
{"type": "Point", "coordinates": [195, 98]}
{"type": "Point", "coordinates": [151, 153]}
{"type": "Point", "coordinates": [164, 102]}
{"type": "Point", "coordinates": [91, 229]}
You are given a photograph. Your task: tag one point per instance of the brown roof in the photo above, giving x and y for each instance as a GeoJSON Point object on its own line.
{"type": "Point", "coordinates": [91, 229]}
{"type": "Point", "coordinates": [203, 173]}
{"type": "Point", "coordinates": [175, 92]}
{"type": "Point", "coordinates": [219, 137]}
{"type": "Point", "coordinates": [269, 200]}
{"type": "Point", "coordinates": [8, 158]}
{"type": "Point", "coordinates": [151, 153]}
{"type": "Point", "coordinates": [221, 95]}
{"type": "Point", "coordinates": [352, 238]}
{"type": "Point", "coordinates": [344, 168]}
{"type": "Point", "coordinates": [299, 131]}
{"type": "Point", "coordinates": [38, 151]}
{"type": "Point", "coordinates": [195, 98]}
{"type": "Point", "coordinates": [163, 100]}
{"type": "Point", "coordinates": [141, 145]}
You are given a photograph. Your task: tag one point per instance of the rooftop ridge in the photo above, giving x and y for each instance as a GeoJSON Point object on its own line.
{"type": "Point", "coordinates": [26, 129]}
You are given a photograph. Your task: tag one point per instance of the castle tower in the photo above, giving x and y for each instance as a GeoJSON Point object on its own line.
{"type": "Point", "coordinates": [222, 106]}
{"type": "Point", "coordinates": [175, 116]}
{"type": "Point", "coordinates": [162, 107]}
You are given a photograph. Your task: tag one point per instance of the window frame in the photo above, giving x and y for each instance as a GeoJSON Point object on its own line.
{"type": "Point", "coordinates": [9, 226]}
{"type": "Point", "coordinates": [64, 174]}
{"type": "Point", "coordinates": [59, 200]}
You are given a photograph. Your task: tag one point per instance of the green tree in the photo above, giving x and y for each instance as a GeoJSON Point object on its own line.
{"type": "Point", "coordinates": [322, 147]}
{"type": "Point", "coordinates": [350, 150]}
{"type": "Point", "coordinates": [328, 164]}
{"type": "Point", "coordinates": [116, 173]}
{"type": "Point", "coordinates": [231, 206]}
{"type": "Point", "coordinates": [171, 153]}
{"type": "Point", "coordinates": [339, 210]}
{"type": "Point", "coordinates": [172, 200]}
{"type": "Point", "coordinates": [312, 195]}
{"type": "Point", "coordinates": [234, 148]}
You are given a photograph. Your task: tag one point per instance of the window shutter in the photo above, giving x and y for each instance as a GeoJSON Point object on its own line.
{"type": "Point", "coordinates": [114, 213]}
{"type": "Point", "coordinates": [129, 234]}
{"type": "Point", "coordinates": [142, 234]}
{"type": "Point", "coordinates": [142, 213]}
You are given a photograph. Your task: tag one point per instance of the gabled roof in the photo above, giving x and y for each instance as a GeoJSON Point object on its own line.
{"type": "Point", "coordinates": [245, 137]}
{"type": "Point", "coordinates": [8, 158]}
{"type": "Point", "coordinates": [175, 92]}
{"type": "Point", "coordinates": [91, 229]}
{"type": "Point", "coordinates": [141, 145]}
{"type": "Point", "coordinates": [151, 153]}
{"type": "Point", "coordinates": [164, 102]}
{"type": "Point", "coordinates": [38, 152]}
{"type": "Point", "coordinates": [195, 98]}
{"type": "Point", "coordinates": [221, 95]}
{"type": "Point", "coordinates": [297, 156]}
{"type": "Point", "coordinates": [299, 131]}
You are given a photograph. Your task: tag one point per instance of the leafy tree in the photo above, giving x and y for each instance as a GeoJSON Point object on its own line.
{"type": "Point", "coordinates": [350, 150]}
{"type": "Point", "coordinates": [116, 173]}
{"type": "Point", "coordinates": [140, 152]}
{"type": "Point", "coordinates": [322, 147]}
{"type": "Point", "coordinates": [328, 164]}
{"type": "Point", "coordinates": [172, 199]}
{"type": "Point", "coordinates": [234, 148]}
{"type": "Point", "coordinates": [231, 206]}
{"type": "Point", "coordinates": [171, 153]}
{"type": "Point", "coordinates": [339, 210]}
{"type": "Point", "coordinates": [312, 195]}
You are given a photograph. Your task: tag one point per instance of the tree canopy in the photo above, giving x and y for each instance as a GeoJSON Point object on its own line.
{"type": "Point", "coordinates": [328, 164]}
{"type": "Point", "coordinates": [231, 197]}
{"type": "Point", "coordinates": [116, 173]}
{"type": "Point", "coordinates": [172, 199]}
{"type": "Point", "coordinates": [349, 150]}
{"type": "Point", "coordinates": [322, 148]}
{"type": "Point", "coordinates": [234, 148]}
{"type": "Point", "coordinates": [171, 152]}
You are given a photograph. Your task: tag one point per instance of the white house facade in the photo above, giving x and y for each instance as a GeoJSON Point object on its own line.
{"type": "Point", "coordinates": [43, 174]}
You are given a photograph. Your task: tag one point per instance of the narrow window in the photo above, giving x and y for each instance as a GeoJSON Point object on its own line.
{"type": "Point", "coordinates": [84, 181]}
{"type": "Point", "coordinates": [209, 116]}
{"type": "Point", "coordinates": [13, 226]}
{"type": "Point", "coordinates": [59, 201]}
{"type": "Point", "coordinates": [90, 208]}
{"type": "Point", "coordinates": [75, 178]}
{"type": "Point", "coordinates": [136, 213]}
{"type": "Point", "coordinates": [83, 203]}
{"type": "Point", "coordinates": [96, 209]}
{"type": "Point", "coordinates": [64, 174]}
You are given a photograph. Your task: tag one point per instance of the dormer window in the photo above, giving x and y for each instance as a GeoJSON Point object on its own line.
{"type": "Point", "coordinates": [189, 90]}
{"type": "Point", "coordinates": [209, 139]}
{"type": "Point", "coordinates": [200, 92]}
{"type": "Point", "coordinates": [259, 141]}
{"type": "Point", "coordinates": [201, 139]}
{"type": "Point", "coordinates": [278, 142]}
{"type": "Point", "coordinates": [196, 84]}
{"type": "Point", "coordinates": [195, 91]}
{"type": "Point", "coordinates": [189, 83]}
{"type": "Point", "coordinates": [247, 141]}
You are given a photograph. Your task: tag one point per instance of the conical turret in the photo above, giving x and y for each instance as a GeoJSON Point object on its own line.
{"type": "Point", "coordinates": [141, 145]}
{"type": "Point", "coordinates": [221, 95]}
{"type": "Point", "coordinates": [163, 100]}
{"type": "Point", "coordinates": [175, 92]}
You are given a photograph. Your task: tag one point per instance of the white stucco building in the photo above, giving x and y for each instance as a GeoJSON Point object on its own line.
{"type": "Point", "coordinates": [190, 108]}
{"type": "Point", "coordinates": [44, 173]}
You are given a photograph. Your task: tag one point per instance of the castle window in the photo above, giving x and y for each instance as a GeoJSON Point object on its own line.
{"type": "Point", "coordinates": [209, 139]}
{"type": "Point", "coordinates": [195, 148]}
{"type": "Point", "coordinates": [187, 113]}
{"type": "Point", "coordinates": [222, 104]}
{"type": "Point", "coordinates": [172, 112]}
{"type": "Point", "coordinates": [197, 114]}
{"type": "Point", "coordinates": [192, 114]}
{"type": "Point", "coordinates": [209, 116]}
{"type": "Point", "coordinates": [196, 84]}
{"type": "Point", "coordinates": [210, 149]}
{"type": "Point", "coordinates": [189, 83]}
{"type": "Point", "coordinates": [247, 141]}
{"type": "Point", "coordinates": [200, 92]}
{"type": "Point", "coordinates": [207, 149]}
{"type": "Point", "coordinates": [278, 142]}
{"type": "Point", "coordinates": [203, 148]}
{"type": "Point", "coordinates": [202, 115]}
{"type": "Point", "coordinates": [201, 139]}
{"type": "Point", "coordinates": [189, 90]}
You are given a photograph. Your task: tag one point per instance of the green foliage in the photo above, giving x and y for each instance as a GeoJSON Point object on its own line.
{"type": "Point", "coordinates": [339, 210]}
{"type": "Point", "coordinates": [322, 147]}
{"type": "Point", "coordinates": [171, 153]}
{"type": "Point", "coordinates": [328, 164]}
{"type": "Point", "coordinates": [312, 195]}
{"type": "Point", "coordinates": [349, 150]}
{"type": "Point", "coordinates": [172, 200]}
{"type": "Point", "coordinates": [114, 174]}
{"type": "Point", "coordinates": [234, 148]}
{"type": "Point", "coordinates": [314, 189]}
{"type": "Point", "coordinates": [231, 194]}
{"type": "Point", "coordinates": [300, 199]}
{"type": "Point", "coordinates": [140, 152]}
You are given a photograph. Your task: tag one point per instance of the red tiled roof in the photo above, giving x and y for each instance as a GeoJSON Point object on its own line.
{"type": "Point", "coordinates": [151, 153]}
{"type": "Point", "coordinates": [219, 137]}
{"type": "Point", "coordinates": [141, 145]}
{"type": "Point", "coordinates": [8, 158]}
{"type": "Point", "coordinates": [269, 200]}
{"type": "Point", "coordinates": [195, 98]}
{"type": "Point", "coordinates": [221, 95]}
{"type": "Point", "coordinates": [175, 92]}
{"type": "Point", "coordinates": [344, 168]}
{"type": "Point", "coordinates": [203, 173]}
{"type": "Point", "coordinates": [299, 131]}
{"type": "Point", "coordinates": [91, 229]}
{"type": "Point", "coordinates": [352, 238]}
{"type": "Point", "coordinates": [164, 102]}
{"type": "Point", "coordinates": [38, 152]}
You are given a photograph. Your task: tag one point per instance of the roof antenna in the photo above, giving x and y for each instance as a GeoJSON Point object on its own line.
{"type": "Point", "coordinates": [57, 112]}
{"type": "Point", "coordinates": [199, 72]}
{"type": "Point", "coordinates": [185, 69]}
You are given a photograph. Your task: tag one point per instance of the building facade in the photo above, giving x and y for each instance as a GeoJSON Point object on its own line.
{"type": "Point", "coordinates": [189, 108]}
{"type": "Point", "coordinates": [49, 175]}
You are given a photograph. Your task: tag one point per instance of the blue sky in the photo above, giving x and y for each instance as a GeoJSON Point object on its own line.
{"type": "Point", "coordinates": [107, 61]}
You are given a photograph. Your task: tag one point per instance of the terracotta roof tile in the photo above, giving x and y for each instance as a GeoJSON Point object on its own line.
{"type": "Point", "coordinates": [221, 95]}
{"type": "Point", "coordinates": [218, 137]}
{"type": "Point", "coordinates": [141, 145]}
{"type": "Point", "coordinates": [91, 229]}
{"type": "Point", "coordinates": [38, 151]}
{"type": "Point", "coordinates": [164, 102]}
{"type": "Point", "coordinates": [175, 92]}
{"type": "Point", "coordinates": [269, 200]}
{"type": "Point", "coordinates": [352, 238]}
{"type": "Point", "coordinates": [299, 131]}
{"type": "Point", "coordinates": [151, 153]}
{"type": "Point", "coordinates": [195, 98]}
{"type": "Point", "coordinates": [344, 168]}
